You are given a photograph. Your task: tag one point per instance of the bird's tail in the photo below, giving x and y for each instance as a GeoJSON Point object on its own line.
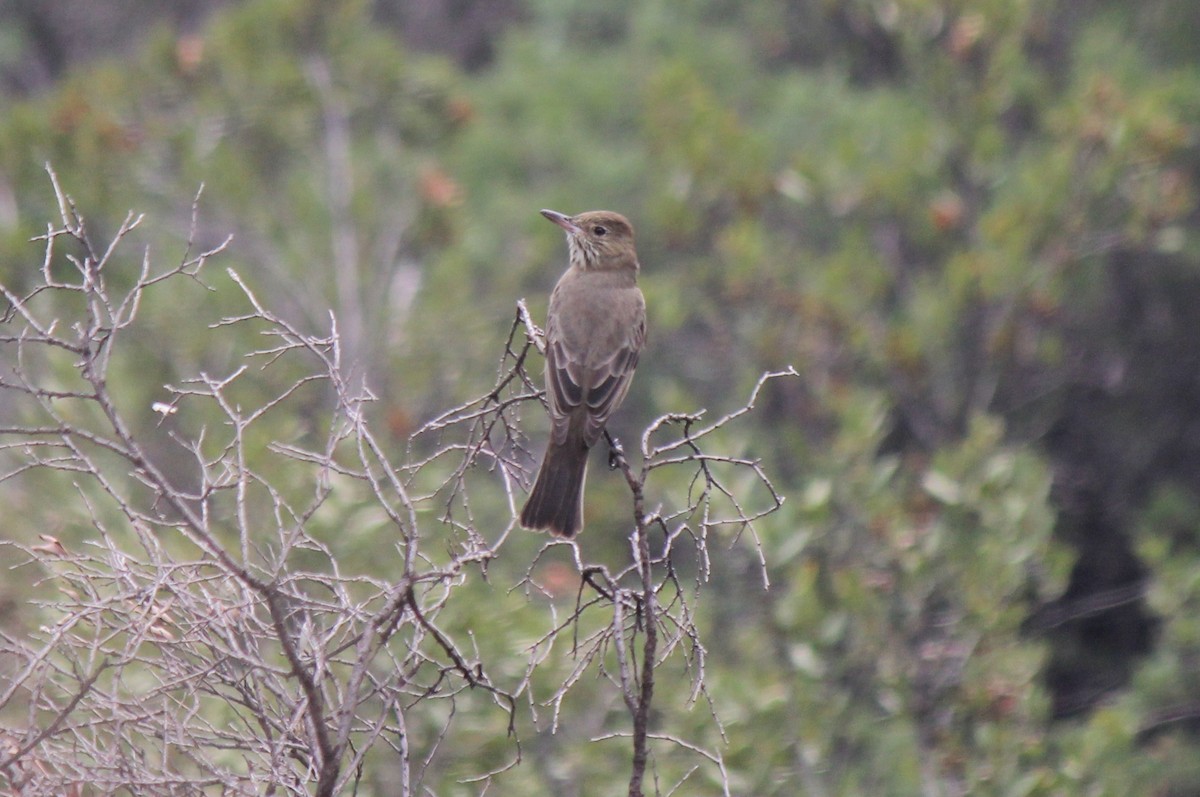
{"type": "Point", "coordinates": [556, 503]}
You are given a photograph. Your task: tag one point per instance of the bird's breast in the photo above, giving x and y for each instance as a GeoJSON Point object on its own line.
{"type": "Point", "coordinates": [594, 314]}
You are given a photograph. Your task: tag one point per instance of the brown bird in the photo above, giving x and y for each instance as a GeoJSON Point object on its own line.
{"type": "Point", "coordinates": [595, 328]}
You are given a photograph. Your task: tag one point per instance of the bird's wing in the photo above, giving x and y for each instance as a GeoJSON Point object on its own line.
{"type": "Point", "coordinates": [609, 382]}
{"type": "Point", "coordinates": [602, 386]}
{"type": "Point", "coordinates": [564, 388]}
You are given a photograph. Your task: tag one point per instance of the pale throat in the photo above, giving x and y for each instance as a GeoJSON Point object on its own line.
{"type": "Point", "coordinates": [585, 256]}
{"type": "Point", "coordinates": [581, 255]}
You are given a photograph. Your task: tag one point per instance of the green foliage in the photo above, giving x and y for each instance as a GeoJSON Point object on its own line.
{"type": "Point", "coordinates": [906, 662]}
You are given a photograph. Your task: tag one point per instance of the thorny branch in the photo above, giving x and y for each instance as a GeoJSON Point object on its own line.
{"type": "Point", "coordinates": [314, 664]}
{"type": "Point", "coordinates": [711, 504]}
{"type": "Point", "coordinates": [216, 627]}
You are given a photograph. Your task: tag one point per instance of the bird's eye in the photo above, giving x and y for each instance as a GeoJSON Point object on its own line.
{"type": "Point", "coordinates": [598, 230]}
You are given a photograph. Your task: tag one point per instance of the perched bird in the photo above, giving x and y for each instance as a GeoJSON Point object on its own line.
{"type": "Point", "coordinates": [594, 331]}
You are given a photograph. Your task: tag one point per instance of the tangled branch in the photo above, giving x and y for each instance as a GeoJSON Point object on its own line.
{"type": "Point", "coordinates": [211, 629]}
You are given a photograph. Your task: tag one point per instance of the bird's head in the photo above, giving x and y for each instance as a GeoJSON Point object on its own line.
{"type": "Point", "coordinates": [597, 239]}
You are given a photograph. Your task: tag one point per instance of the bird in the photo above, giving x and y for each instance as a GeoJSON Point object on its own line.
{"type": "Point", "coordinates": [595, 329]}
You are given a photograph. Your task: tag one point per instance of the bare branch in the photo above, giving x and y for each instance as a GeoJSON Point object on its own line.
{"type": "Point", "coordinates": [216, 626]}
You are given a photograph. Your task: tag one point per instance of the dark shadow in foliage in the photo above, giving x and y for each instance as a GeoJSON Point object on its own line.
{"type": "Point", "coordinates": [1131, 422]}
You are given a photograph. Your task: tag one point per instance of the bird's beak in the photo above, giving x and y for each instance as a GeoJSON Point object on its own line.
{"type": "Point", "coordinates": [563, 220]}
